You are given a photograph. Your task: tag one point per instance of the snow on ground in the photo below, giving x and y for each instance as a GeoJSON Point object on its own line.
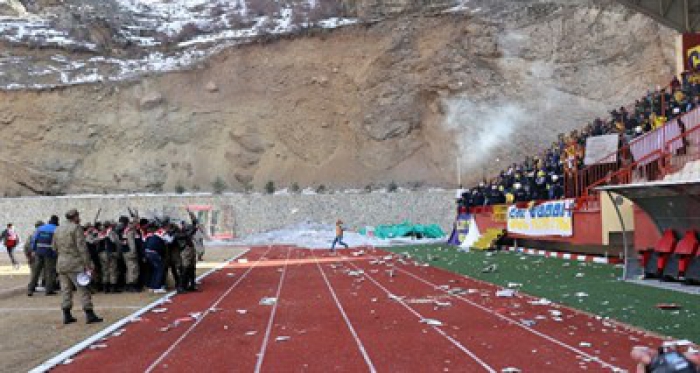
{"type": "Point", "coordinates": [320, 236]}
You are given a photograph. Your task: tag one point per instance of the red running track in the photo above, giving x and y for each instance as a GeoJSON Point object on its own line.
{"type": "Point", "coordinates": [352, 313]}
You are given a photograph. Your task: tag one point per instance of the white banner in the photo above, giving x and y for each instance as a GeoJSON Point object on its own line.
{"type": "Point", "coordinates": [598, 147]}
{"type": "Point", "coordinates": [552, 218]}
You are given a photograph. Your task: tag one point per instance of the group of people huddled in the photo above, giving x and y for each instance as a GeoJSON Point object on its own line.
{"type": "Point", "coordinates": [116, 256]}
{"type": "Point", "coordinates": [542, 177]}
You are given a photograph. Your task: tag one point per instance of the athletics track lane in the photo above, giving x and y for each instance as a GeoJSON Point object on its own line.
{"type": "Point", "coordinates": [551, 344]}
{"type": "Point", "coordinates": [143, 342]}
{"type": "Point", "coordinates": [395, 339]}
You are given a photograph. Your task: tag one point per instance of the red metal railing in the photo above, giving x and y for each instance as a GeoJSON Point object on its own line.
{"type": "Point", "coordinates": [681, 150]}
{"type": "Point", "coordinates": [648, 147]}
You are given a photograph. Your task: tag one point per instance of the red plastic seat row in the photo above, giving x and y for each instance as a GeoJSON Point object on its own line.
{"type": "Point", "coordinates": [671, 259]}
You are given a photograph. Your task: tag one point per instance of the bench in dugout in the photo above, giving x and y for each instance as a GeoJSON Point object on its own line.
{"type": "Point", "coordinates": [654, 260]}
{"type": "Point", "coordinates": [692, 272]}
{"type": "Point", "coordinates": [678, 262]}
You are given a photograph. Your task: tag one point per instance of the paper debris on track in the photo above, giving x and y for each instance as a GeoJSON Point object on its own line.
{"type": "Point", "coordinates": [541, 302]}
{"type": "Point", "coordinates": [357, 273]}
{"type": "Point", "coordinates": [118, 332]}
{"type": "Point", "coordinates": [510, 370]}
{"type": "Point", "coordinates": [282, 338]}
{"type": "Point", "coordinates": [230, 274]}
{"type": "Point", "coordinates": [268, 301]}
{"type": "Point", "coordinates": [243, 261]}
{"type": "Point", "coordinates": [195, 315]}
{"type": "Point", "coordinates": [581, 294]}
{"type": "Point", "coordinates": [440, 304]}
{"type": "Point", "coordinates": [160, 310]}
{"type": "Point", "coordinates": [242, 312]}
{"type": "Point", "coordinates": [396, 297]}
{"type": "Point", "coordinates": [584, 344]}
{"type": "Point", "coordinates": [431, 322]}
{"type": "Point", "coordinates": [252, 332]}
{"type": "Point", "coordinates": [528, 322]}
{"type": "Point", "coordinates": [505, 293]}
{"type": "Point", "coordinates": [98, 346]}
{"type": "Point", "coordinates": [555, 313]}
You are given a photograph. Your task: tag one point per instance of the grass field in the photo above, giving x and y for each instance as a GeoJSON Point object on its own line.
{"type": "Point", "coordinates": [590, 287]}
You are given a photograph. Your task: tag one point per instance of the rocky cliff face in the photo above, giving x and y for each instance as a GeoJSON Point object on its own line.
{"type": "Point", "coordinates": [402, 99]}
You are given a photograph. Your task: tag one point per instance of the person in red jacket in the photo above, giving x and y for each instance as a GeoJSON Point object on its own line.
{"type": "Point", "coordinates": [10, 239]}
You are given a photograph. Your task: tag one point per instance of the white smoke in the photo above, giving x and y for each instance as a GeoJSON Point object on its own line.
{"type": "Point", "coordinates": [480, 129]}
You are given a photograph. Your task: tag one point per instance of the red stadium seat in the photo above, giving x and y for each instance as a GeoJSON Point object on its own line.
{"type": "Point", "coordinates": [678, 262]}
{"type": "Point", "coordinates": [655, 260]}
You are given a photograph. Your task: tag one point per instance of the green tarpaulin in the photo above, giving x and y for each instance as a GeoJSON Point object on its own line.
{"type": "Point", "coordinates": [406, 229]}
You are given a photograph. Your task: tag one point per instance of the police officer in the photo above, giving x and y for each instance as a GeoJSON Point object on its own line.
{"type": "Point", "coordinates": [73, 258]}
{"type": "Point", "coordinates": [45, 257]}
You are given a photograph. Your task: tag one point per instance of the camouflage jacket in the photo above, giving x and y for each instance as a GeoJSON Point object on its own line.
{"type": "Point", "coordinates": [69, 243]}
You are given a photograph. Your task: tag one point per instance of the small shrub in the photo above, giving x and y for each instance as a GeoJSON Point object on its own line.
{"type": "Point", "coordinates": [295, 188]}
{"type": "Point", "coordinates": [321, 189]}
{"type": "Point", "coordinates": [179, 188]}
{"type": "Point", "coordinates": [219, 185]}
{"type": "Point", "coordinates": [393, 187]}
{"type": "Point", "coordinates": [270, 187]}
{"type": "Point", "coordinates": [369, 188]}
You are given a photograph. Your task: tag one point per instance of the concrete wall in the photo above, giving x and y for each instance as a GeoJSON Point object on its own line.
{"type": "Point", "coordinates": [245, 214]}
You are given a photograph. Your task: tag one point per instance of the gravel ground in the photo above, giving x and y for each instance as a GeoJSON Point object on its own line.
{"type": "Point", "coordinates": [31, 327]}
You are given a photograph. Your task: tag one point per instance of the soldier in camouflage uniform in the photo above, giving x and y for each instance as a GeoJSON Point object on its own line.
{"type": "Point", "coordinates": [173, 257]}
{"type": "Point", "coordinates": [73, 258]}
{"type": "Point", "coordinates": [110, 252]}
{"type": "Point", "coordinates": [29, 251]}
{"type": "Point", "coordinates": [188, 253]}
{"type": "Point", "coordinates": [132, 245]}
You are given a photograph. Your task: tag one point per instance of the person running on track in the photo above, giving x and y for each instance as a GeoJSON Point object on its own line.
{"type": "Point", "coordinates": [339, 230]}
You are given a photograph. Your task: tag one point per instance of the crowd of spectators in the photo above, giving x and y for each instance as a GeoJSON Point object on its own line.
{"type": "Point", "coordinates": [542, 177]}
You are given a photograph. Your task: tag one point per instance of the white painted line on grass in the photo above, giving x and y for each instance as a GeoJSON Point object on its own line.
{"type": "Point", "coordinates": [60, 358]}
{"type": "Point", "coordinates": [204, 315]}
{"type": "Point", "coordinates": [456, 343]}
{"type": "Point", "coordinates": [263, 348]}
{"type": "Point", "coordinates": [370, 365]}
{"type": "Point", "coordinates": [514, 322]}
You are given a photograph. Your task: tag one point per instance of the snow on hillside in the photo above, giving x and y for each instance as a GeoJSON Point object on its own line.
{"type": "Point", "coordinates": [146, 36]}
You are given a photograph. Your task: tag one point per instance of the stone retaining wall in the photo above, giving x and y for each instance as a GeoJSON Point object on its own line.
{"type": "Point", "coordinates": [245, 214]}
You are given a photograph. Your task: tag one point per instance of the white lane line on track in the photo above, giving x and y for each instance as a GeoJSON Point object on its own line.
{"type": "Point", "coordinates": [456, 343]}
{"type": "Point", "coordinates": [263, 348]}
{"type": "Point", "coordinates": [514, 322]}
{"type": "Point", "coordinates": [370, 365]}
{"type": "Point", "coordinates": [60, 358]}
{"type": "Point", "coordinates": [204, 315]}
